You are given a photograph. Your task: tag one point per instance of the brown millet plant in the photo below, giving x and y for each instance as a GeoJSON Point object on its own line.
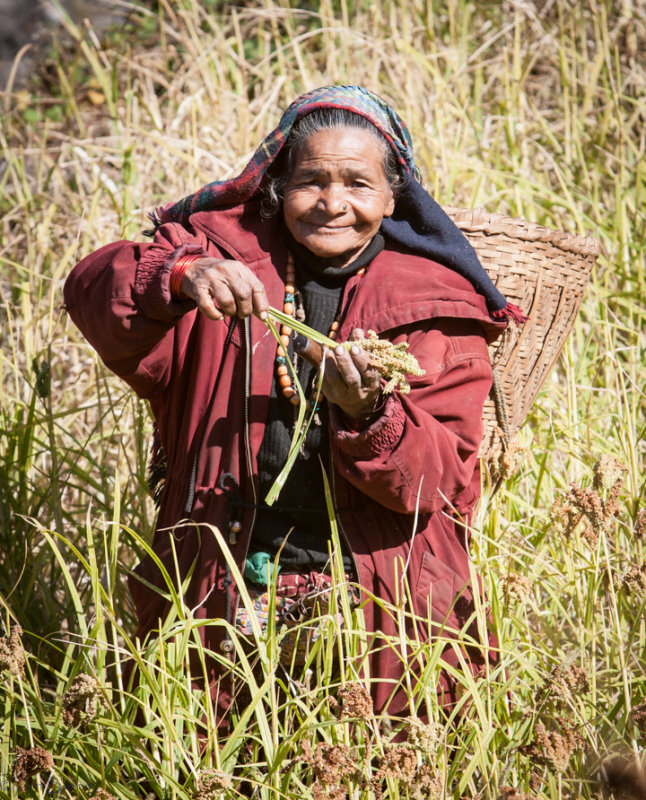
{"type": "Point", "coordinates": [81, 701]}
{"type": "Point", "coordinates": [211, 784]}
{"type": "Point", "coordinates": [509, 793]}
{"type": "Point", "coordinates": [322, 791]}
{"type": "Point", "coordinates": [103, 795]}
{"type": "Point", "coordinates": [12, 653]}
{"type": "Point", "coordinates": [518, 587]}
{"type": "Point", "coordinates": [506, 463]}
{"type": "Point", "coordinates": [332, 763]}
{"type": "Point", "coordinates": [551, 748]}
{"type": "Point", "coordinates": [425, 737]}
{"type": "Point", "coordinates": [399, 762]}
{"type": "Point", "coordinates": [634, 582]}
{"type": "Point", "coordinates": [27, 763]}
{"type": "Point", "coordinates": [587, 508]}
{"type": "Point", "coordinates": [566, 682]}
{"type": "Point", "coordinates": [640, 524]}
{"type": "Point", "coordinates": [353, 701]}
{"type": "Point", "coordinates": [638, 714]}
{"type": "Point", "coordinates": [427, 785]}
{"type": "Point", "coordinates": [607, 473]}
{"type": "Point", "coordinates": [590, 504]}
{"type": "Point", "coordinates": [587, 505]}
{"type": "Point", "coordinates": [565, 517]}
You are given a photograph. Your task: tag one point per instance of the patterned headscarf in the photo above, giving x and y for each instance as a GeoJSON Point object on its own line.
{"type": "Point", "coordinates": [418, 222]}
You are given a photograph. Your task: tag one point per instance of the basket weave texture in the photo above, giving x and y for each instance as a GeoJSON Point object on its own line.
{"type": "Point", "coordinates": [545, 273]}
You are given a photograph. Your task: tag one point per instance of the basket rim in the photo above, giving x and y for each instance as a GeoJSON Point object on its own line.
{"type": "Point", "coordinates": [492, 223]}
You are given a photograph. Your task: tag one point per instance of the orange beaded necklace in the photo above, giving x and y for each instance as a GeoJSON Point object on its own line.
{"type": "Point", "coordinates": [289, 307]}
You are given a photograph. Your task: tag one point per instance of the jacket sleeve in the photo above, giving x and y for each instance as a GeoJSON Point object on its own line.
{"type": "Point", "coordinates": [119, 297]}
{"type": "Point", "coordinates": [425, 443]}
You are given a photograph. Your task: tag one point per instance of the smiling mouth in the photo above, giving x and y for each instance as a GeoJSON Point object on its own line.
{"type": "Point", "coordinates": [323, 226]}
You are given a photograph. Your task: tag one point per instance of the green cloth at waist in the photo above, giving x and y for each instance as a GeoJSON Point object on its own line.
{"type": "Point", "coordinates": [258, 568]}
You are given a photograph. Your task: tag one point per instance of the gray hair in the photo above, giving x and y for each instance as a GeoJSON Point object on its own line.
{"type": "Point", "coordinates": [322, 119]}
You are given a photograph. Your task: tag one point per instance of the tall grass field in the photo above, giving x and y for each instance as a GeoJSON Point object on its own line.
{"type": "Point", "coordinates": [532, 108]}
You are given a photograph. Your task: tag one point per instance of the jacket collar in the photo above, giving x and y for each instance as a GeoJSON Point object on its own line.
{"type": "Point", "coordinates": [400, 288]}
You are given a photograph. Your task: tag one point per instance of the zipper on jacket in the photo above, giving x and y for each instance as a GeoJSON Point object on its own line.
{"type": "Point", "coordinates": [190, 495]}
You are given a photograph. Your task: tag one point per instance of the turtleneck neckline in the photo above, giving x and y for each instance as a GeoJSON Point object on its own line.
{"type": "Point", "coordinates": [316, 269]}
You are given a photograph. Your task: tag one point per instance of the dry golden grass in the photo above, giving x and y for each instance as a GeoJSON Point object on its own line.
{"type": "Point", "coordinates": [531, 109]}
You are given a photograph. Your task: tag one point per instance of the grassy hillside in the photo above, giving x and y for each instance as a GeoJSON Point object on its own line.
{"type": "Point", "coordinates": [536, 110]}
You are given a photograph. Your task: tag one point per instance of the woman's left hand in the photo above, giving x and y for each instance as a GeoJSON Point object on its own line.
{"type": "Point", "coordinates": [350, 381]}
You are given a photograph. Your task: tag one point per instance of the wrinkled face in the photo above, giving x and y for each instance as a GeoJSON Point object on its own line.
{"type": "Point", "coordinates": [338, 194]}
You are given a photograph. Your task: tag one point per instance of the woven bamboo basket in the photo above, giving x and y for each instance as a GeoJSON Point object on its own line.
{"type": "Point", "coordinates": [545, 273]}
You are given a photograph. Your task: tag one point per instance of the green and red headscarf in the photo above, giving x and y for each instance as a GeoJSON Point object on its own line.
{"type": "Point", "coordinates": [418, 222]}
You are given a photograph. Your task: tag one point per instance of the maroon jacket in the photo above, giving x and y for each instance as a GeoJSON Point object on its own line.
{"type": "Point", "coordinates": [210, 402]}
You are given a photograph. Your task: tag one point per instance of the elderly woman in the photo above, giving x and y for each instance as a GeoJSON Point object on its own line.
{"type": "Point", "coordinates": [329, 221]}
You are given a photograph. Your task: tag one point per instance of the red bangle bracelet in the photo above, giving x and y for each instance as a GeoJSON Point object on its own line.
{"type": "Point", "coordinates": [177, 273]}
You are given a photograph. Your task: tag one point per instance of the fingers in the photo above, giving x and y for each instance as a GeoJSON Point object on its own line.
{"type": "Point", "coordinates": [350, 381]}
{"type": "Point", "coordinates": [207, 305]}
{"type": "Point", "coordinates": [355, 366]}
{"type": "Point", "coordinates": [352, 366]}
{"type": "Point", "coordinates": [259, 300]}
{"type": "Point", "coordinates": [224, 288]}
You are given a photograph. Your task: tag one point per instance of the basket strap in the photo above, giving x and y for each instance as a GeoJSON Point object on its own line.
{"type": "Point", "coordinates": [501, 408]}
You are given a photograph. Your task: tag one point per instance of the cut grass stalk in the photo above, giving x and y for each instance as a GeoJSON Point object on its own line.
{"type": "Point", "coordinates": [300, 430]}
{"type": "Point", "coordinates": [391, 361]}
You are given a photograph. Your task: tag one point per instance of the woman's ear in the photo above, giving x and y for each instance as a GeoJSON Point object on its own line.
{"type": "Point", "coordinates": [390, 205]}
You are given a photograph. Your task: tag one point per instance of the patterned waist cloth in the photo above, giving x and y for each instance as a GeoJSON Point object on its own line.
{"type": "Point", "coordinates": [299, 597]}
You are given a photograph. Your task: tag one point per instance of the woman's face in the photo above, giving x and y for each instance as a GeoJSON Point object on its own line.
{"type": "Point", "coordinates": [338, 194]}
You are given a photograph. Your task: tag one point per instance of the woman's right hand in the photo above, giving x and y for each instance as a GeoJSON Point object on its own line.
{"type": "Point", "coordinates": [224, 288]}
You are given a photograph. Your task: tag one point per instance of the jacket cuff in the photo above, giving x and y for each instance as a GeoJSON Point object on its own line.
{"type": "Point", "coordinates": [152, 283]}
{"type": "Point", "coordinates": [379, 437]}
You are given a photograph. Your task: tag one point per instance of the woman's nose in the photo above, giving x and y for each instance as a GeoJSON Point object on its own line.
{"type": "Point", "coordinates": [334, 199]}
